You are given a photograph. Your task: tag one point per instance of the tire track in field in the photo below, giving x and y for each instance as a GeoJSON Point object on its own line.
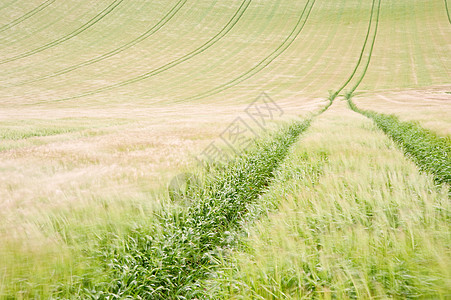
{"type": "Point", "coordinates": [190, 243]}
{"type": "Point", "coordinates": [232, 54]}
{"type": "Point", "coordinates": [447, 11]}
{"type": "Point", "coordinates": [321, 50]}
{"type": "Point", "coordinates": [174, 10]}
{"type": "Point", "coordinates": [266, 61]}
{"type": "Point", "coordinates": [430, 152]}
{"type": "Point", "coordinates": [370, 54]}
{"type": "Point", "coordinates": [370, 24]}
{"type": "Point", "coordinates": [9, 40]}
{"type": "Point", "coordinates": [224, 31]}
{"type": "Point", "coordinates": [74, 33]}
{"type": "Point", "coordinates": [27, 15]}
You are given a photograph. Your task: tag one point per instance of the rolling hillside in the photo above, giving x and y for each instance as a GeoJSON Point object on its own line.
{"type": "Point", "coordinates": [103, 102]}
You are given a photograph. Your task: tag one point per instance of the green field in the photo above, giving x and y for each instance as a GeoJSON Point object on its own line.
{"type": "Point", "coordinates": [340, 190]}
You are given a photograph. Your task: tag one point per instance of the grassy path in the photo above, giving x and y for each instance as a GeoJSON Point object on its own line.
{"type": "Point", "coordinates": [431, 152]}
{"type": "Point", "coordinates": [355, 219]}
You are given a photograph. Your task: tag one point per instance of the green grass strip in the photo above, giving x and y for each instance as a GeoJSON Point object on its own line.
{"type": "Point", "coordinates": [168, 259]}
{"type": "Point", "coordinates": [432, 153]}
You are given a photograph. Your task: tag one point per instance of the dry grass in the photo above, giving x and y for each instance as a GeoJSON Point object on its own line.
{"type": "Point", "coordinates": [109, 173]}
{"type": "Point", "coordinates": [71, 169]}
{"type": "Point", "coordinates": [429, 106]}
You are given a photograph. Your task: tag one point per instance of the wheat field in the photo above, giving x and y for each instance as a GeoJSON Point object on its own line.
{"type": "Point", "coordinates": [338, 188]}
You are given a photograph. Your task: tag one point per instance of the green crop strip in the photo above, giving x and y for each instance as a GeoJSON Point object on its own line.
{"type": "Point", "coordinates": [224, 31]}
{"type": "Point", "coordinates": [174, 10]}
{"type": "Point", "coordinates": [74, 33]}
{"type": "Point", "coordinates": [430, 152]}
{"type": "Point", "coordinates": [169, 259]}
{"type": "Point", "coordinates": [27, 15]}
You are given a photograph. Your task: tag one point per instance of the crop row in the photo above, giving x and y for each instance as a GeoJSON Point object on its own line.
{"type": "Point", "coordinates": [183, 246]}
{"type": "Point", "coordinates": [432, 153]}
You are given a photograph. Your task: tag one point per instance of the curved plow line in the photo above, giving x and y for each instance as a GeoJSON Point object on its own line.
{"type": "Point", "coordinates": [232, 53]}
{"type": "Point", "coordinates": [370, 52]}
{"type": "Point", "coordinates": [84, 27]}
{"type": "Point", "coordinates": [27, 15]}
{"type": "Point", "coordinates": [362, 52]}
{"type": "Point", "coordinates": [265, 62]}
{"type": "Point", "coordinates": [314, 58]}
{"type": "Point", "coordinates": [226, 29]}
{"type": "Point", "coordinates": [9, 40]}
{"type": "Point", "coordinates": [447, 11]}
{"type": "Point", "coordinates": [118, 50]}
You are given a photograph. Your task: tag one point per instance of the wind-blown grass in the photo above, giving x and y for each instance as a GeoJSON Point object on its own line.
{"type": "Point", "coordinates": [354, 220]}
{"type": "Point", "coordinates": [169, 258]}
{"type": "Point", "coordinates": [432, 153]}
